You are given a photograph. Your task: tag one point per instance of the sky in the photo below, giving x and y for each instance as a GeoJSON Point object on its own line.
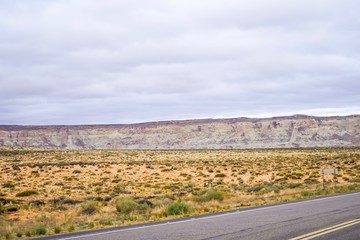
{"type": "Point", "coordinates": [116, 61]}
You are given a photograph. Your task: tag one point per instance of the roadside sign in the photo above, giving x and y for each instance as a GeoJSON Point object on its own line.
{"type": "Point", "coordinates": [328, 170]}
{"type": "Point", "coordinates": [324, 171]}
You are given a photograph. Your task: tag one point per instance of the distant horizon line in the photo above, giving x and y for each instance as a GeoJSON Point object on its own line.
{"type": "Point", "coordinates": [216, 119]}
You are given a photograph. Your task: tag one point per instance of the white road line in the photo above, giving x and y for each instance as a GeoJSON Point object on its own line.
{"type": "Point", "coordinates": [326, 230]}
{"type": "Point", "coordinates": [202, 218]}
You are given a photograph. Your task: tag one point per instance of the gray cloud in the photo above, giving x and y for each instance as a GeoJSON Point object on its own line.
{"type": "Point", "coordinates": [73, 62]}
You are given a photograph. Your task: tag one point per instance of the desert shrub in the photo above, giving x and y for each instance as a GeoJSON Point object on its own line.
{"type": "Point", "coordinates": [70, 228]}
{"type": "Point", "coordinates": [12, 209]}
{"type": "Point", "coordinates": [310, 181]}
{"type": "Point", "coordinates": [276, 189]}
{"type": "Point", "coordinates": [209, 195]}
{"type": "Point", "coordinates": [19, 234]}
{"type": "Point", "coordinates": [57, 229]}
{"type": "Point", "coordinates": [105, 222]}
{"type": "Point", "coordinates": [220, 175]}
{"type": "Point", "coordinates": [2, 208]}
{"type": "Point", "coordinates": [8, 235]}
{"type": "Point", "coordinates": [142, 208]}
{"type": "Point", "coordinates": [254, 188]}
{"type": "Point", "coordinates": [126, 205]}
{"type": "Point", "coordinates": [26, 193]}
{"type": "Point", "coordinates": [91, 225]}
{"type": "Point", "coordinates": [120, 189]}
{"type": "Point", "coordinates": [306, 193]}
{"type": "Point", "coordinates": [177, 208]}
{"type": "Point", "coordinates": [293, 185]}
{"type": "Point", "coordinates": [353, 187]}
{"type": "Point", "coordinates": [39, 230]}
{"type": "Point", "coordinates": [115, 180]}
{"type": "Point", "coordinates": [89, 207]}
{"type": "Point", "coordinates": [356, 180]}
{"type": "Point", "coordinates": [346, 179]}
{"type": "Point", "coordinates": [8, 185]}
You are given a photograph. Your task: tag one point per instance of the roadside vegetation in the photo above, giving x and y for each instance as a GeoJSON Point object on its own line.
{"type": "Point", "coordinates": [45, 192]}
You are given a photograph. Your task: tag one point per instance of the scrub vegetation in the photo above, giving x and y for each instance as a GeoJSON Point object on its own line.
{"type": "Point", "coordinates": [45, 192]}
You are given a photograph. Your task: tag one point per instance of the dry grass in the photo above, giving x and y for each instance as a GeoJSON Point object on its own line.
{"type": "Point", "coordinates": [64, 191]}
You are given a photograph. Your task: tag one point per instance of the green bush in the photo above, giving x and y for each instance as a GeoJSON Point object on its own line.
{"type": "Point", "coordinates": [177, 208]}
{"type": "Point", "coordinates": [70, 228]}
{"type": "Point", "coordinates": [57, 229]}
{"type": "Point", "coordinates": [39, 230]}
{"type": "Point", "coordinates": [126, 205]}
{"type": "Point", "coordinates": [306, 193]}
{"type": "Point", "coordinates": [293, 185]}
{"type": "Point", "coordinates": [26, 193]}
{"type": "Point", "coordinates": [8, 236]}
{"type": "Point", "coordinates": [310, 181]}
{"type": "Point", "coordinates": [209, 195]}
{"type": "Point", "coordinates": [91, 225]}
{"type": "Point", "coordinates": [353, 187]}
{"type": "Point", "coordinates": [105, 222]}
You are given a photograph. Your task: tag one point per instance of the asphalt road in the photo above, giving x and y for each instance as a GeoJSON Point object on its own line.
{"type": "Point", "coordinates": [352, 232]}
{"type": "Point", "coordinates": [282, 221]}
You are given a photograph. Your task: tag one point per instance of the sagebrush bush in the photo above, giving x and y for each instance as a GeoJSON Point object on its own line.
{"type": "Point", "coordinates": [254, 188]}
{"type": "Point", "coordinates": [2, 209]}
{"type": "Point", "coordinates": [310, 181]}
{"type": "Point", "coordinates": [220, 175]}
{"type": "Point", "coordinates": [293, 185]}
{"type": "Point", "coordinates": [70, 228]}
{"type": "Point", "coordinates": [210, 195]}
{"type": "Point", "coordinates": [26, 193]}
{"type": "Point", "coordinates": [8, 185]}
{"type": "Point", "coordinates": [306, 193]}
{"type": "Point", "coordinates": [89, 207]}
{"type": "Point", "coordinates": [57, 229]}
{"type": "Point", "coordinates": [39, 230]}
{"type": "Point", "coordinates": [91, 225]}
{"type": "Point", "coordinates": [178, 208]}
{"type": "Point", "coordinates": [126, 205]}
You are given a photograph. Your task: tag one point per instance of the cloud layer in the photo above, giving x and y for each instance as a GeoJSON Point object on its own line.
{"type": "Point", "coordinates": [83, 62]}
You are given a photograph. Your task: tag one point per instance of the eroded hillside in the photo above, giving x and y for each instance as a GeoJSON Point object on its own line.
{"type": "Point", "coordinates": [236, 133]}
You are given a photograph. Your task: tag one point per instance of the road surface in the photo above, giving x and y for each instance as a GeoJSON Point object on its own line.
{"type": "Point", "coordinates": [333, 217]}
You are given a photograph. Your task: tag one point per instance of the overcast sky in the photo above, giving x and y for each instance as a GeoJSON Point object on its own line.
{"type": "Point", "coordinates": [117, 61]}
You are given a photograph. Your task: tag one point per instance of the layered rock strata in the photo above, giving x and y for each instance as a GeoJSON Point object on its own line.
{"type": "Point", "coordinates": [236, 133]}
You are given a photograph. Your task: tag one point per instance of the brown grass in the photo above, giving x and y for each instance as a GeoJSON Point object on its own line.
{"type": "Point", "coordinates": [65, 182]}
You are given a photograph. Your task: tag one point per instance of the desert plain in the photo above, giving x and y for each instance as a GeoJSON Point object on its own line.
{"type": "Point", "coordinates": [52, 191]}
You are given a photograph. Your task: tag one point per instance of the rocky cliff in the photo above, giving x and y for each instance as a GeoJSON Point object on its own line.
{"type": "Point", "coordinates": [236, 133]}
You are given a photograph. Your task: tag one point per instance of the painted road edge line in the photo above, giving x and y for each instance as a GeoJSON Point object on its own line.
{"type": "Point", "coordinates": [327, 230]}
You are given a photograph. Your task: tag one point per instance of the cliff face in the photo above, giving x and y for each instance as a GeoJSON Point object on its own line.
{"type": "Point", "coordinates": [237, 133]}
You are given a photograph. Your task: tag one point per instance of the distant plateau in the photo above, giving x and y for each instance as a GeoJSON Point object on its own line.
{"type": "Point", "coordinates": [298, 131]}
